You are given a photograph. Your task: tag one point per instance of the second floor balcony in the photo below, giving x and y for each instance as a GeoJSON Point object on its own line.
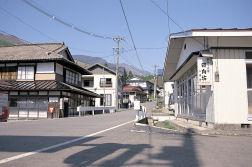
{"type": "Point", "coordinates": [106, 82]}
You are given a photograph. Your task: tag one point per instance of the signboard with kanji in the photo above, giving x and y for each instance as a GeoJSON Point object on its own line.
{"type": "Point", "coordinates": [204, 66]}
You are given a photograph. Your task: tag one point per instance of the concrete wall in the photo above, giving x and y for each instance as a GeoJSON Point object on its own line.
{"type": "Point", "coordinates": [100, 90]}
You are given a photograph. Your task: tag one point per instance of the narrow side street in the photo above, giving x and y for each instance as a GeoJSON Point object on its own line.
{"type": "Point", "coordinates": [124, 145]}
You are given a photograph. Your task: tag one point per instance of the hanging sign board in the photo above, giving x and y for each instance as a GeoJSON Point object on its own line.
{"type": "Point", "coordinates": [204, 70]}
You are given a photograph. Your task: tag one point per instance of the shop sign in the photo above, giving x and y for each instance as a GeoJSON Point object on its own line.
{"type": "Point", "coordinates": [204, 70]}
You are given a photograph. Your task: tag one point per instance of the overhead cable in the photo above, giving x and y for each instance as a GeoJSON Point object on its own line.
{"type": "Point", "coordinates": [27, 42]}
{"type": "Point", "coordinates": [125, 18]}
{"type": "Point", "coordinates": [43, 34]}
{"type": "Point", "coordinates": [64, 22]}
{"type": "Point", "coordinates": [173, 21]}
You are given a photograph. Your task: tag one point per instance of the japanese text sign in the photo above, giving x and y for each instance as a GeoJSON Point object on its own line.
{"type": "Point", "coordinates": [204, 66]}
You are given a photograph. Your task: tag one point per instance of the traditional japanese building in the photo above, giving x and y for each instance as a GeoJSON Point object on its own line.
{"type": "Point", "coordinates": [42, 77]}
{"type": "Point", "coordinates": [212, 74]}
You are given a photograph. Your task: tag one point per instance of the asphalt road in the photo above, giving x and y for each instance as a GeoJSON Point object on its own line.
{"type": "Point", "coordinates": [99, 141]}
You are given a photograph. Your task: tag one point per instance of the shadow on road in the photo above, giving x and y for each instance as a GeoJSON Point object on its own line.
{"type": "Point", "coordinates": [99, 151]}
{"type": "Point", "coordinates": [32, 143]}
{"type": "Point", "coordinates": [184, 155]}
{"type": "Point", "coordinates": [115, 154]}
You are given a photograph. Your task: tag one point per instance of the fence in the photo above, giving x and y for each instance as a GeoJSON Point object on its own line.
{"type": "Point", "coordinates": [82, 110]}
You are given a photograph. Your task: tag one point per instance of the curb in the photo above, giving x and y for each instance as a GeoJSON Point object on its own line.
{"type": "Point", "coordinates": [209, 132]}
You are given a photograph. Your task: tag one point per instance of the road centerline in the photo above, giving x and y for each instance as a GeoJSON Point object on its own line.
{"type": "Point", "coordinates": [5, 160]}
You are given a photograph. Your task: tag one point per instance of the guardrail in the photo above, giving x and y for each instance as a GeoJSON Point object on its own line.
{"type": "Point", "coordinates": [81, 110]}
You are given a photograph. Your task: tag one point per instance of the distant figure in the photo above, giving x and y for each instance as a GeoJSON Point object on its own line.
{"type": "Point", "coordinates": [137, 108]}
{"type": "Point", "coordinates": [129, 105]}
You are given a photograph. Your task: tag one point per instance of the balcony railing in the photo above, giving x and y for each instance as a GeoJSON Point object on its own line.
{"type": "Point", "coordinates": [105, 84]}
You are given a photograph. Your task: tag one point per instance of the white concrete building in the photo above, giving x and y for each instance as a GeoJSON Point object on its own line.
{"type": "Point", "coordinates": [102, 82]}
{"type": "Point", "coordinates": [212, 74]}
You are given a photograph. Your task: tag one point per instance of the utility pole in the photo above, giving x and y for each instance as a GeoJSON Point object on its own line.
{"type": "Point", "coordinates": [155, 83]}
{"type": "Point", "coordinates": [104, 96]}
{"type": "Point", "coordinates": [118, 39]}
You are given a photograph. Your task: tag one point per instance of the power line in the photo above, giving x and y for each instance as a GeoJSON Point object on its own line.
{"type": "Point", "coordinates": [64, 22]}
{"type": "Point", "coordinates": [131, 34]}
{"type": "Point", "coordinates": [25, 41]}
{"type": "Point", "coordinates": [41, 33]}
{"type": "Point", "coordinates": [29, 25]}
{"type": "Point", "coordinates": [167, 15]}
{"type": "Point", "coordinates": [173, 21]}
{"type": "Point", "coordinates": [129, 50]}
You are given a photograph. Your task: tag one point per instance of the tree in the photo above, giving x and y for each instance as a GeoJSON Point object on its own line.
{"type": "Point", "coordinates": [105, 64]}
{"type": "Point", "coordinates": [124, 77]}
{"type": "Point", "coordinates": [130, 75]}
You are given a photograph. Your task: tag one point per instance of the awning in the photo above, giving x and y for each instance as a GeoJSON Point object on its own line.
{"type": "Point", "coordinates": [188, 63]}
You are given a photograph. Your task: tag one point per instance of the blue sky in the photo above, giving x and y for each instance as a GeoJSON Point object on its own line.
{"type": "Point", "coordinates": [148, 24]}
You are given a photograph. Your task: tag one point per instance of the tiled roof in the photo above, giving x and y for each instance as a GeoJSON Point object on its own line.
{"type": "Point", "coordinates": [37, 53]}
{"type": "Point", "coordinates": [46, 51]}
{"type": "Point", "coordinates": [44, 86]}
{"type": "Point", "coordinates": [82, 64]}
{"type": "Point", "coordinates": [102, 66]}
{"type": "Point", "coordinates": [128, 89]}
{"type": "Point", "coordinates": [223, 29]}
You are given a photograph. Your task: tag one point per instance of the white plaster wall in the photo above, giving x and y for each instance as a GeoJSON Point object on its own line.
{"type": "Point", "coordinates": [192, 45]}
{"type": "Point", "coordinates": [167, 91]}
{"type": "Point", "coordinates": [230, 94]}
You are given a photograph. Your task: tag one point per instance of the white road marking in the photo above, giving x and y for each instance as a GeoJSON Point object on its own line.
{"type": "Point", "coordinates": [59, 145]}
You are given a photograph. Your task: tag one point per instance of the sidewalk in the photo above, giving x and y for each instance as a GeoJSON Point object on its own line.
{"type": "Point", "coordinates": [188, 127]}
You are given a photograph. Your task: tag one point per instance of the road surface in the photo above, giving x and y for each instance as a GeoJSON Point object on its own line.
{"type": "Point", "coordinates": [112, 140]}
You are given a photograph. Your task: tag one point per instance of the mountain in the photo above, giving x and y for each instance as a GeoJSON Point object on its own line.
{"type": "Point", "coordinates": [7, 40]}
{"type": "Point", "coordinates": [92, 60]}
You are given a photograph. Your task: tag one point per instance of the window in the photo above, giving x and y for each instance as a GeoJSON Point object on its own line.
{"type": "Point", "coordinates": [107, 98]}
{"type": "Point", "coordinates": [8, 73]}
{"type": "Point", "coordinates": [71, 77]}
{"type": "Point", "coordinates": [106, 82]}
{"type": "Point", "coordinates": [26, 72]}
{"type": "Point", "coordinates": [88, 82]}
{"type": "Point", "coordinates": [248, 55]}
{"type": "Point", "coordinates": [249, 89]}
{"type": "Point", "coordinates": [249, 76]}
